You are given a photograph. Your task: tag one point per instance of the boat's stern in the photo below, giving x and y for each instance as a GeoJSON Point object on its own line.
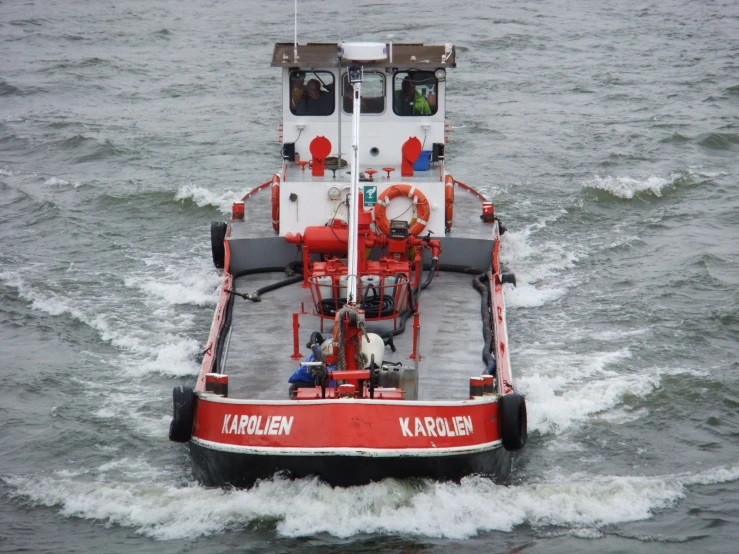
{"type": "Point", "coordinates": [346, 442]}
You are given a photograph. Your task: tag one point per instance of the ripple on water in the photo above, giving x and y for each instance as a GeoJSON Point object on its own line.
{"type": "Point", "coordinates": [719, 141]}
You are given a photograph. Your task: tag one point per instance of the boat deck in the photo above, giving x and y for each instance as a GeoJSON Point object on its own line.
{"type": "Point", "coordinates": [451, 338]}
{"type": "Point", "coordinates": [258, 360]}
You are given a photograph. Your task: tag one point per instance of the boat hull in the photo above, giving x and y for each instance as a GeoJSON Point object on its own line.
{"type": "Point", "coordinates": [217, 468]}
{"type": "Point", "coordinates": [346, 442]}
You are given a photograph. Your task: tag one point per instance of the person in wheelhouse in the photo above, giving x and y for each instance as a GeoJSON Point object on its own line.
{"type": "Point", "coordinates": [410, 101]}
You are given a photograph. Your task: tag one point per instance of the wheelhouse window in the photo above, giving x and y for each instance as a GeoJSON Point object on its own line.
{"type": "Point", "coordinates": [373, 93]}
{"type": "Point", "coordinates": [312, 92]}
{"type": "Point", "coordinates": [415, 93]}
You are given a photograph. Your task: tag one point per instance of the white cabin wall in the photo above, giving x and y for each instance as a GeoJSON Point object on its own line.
{"type": "Point", "coordinates": [312, 206]}
{"type": "Point", "coordinates": [386, 131]}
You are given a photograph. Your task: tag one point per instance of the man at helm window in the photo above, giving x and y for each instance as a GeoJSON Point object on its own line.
{"type": "Point", "coordinates": [409, 101]}
{"type": "Point", "coordinates": [315, 101]}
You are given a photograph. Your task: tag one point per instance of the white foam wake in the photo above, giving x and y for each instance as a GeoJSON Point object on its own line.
{"type": "Point", "coordinates": [223, 200]}
{"type": "Point", "coordinates": [553, 410]}
{"type": "Point", "coordinates": [177, 282]}
{"type": "Point", "coordinates": [540, 272]}
{"type": "Point", "coordinates": [628, 187]}
{"type": "Point", "coordinates": [565, 390]}
{"type": "Point", "coordinates": [132, 493]}
{"type": "Point", "coordinates": [57, 182]}
{"type": "Point", "coordinates": [164, 352]}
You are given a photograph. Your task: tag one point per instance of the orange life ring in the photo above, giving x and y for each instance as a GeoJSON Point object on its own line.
{"type": "Point", "coordinates": [449, 203]}
{"type": "Point", "coordinates": [423, 209]}
{"type": "Point", "coordinates": [276, 203]}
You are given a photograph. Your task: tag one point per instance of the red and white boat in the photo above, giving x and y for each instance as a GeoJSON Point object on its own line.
{"type": "Point", "coordinates": [344, 277]}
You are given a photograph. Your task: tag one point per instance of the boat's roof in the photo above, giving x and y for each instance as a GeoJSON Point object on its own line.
{"type": "Point", "coordinates": [326, 54]}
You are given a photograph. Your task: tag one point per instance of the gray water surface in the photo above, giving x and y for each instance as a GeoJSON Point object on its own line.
{"type": "Point", "coordinates": [607, 133]}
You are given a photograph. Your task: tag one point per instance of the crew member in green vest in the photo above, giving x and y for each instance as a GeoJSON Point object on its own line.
{"type": "Point", "coordinates": [408, 101]}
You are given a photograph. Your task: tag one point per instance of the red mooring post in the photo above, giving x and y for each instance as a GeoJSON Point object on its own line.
{"type": "Point", "coordinates": [416, 332]}
{"type": "Point", "coordinates": [296, 340]}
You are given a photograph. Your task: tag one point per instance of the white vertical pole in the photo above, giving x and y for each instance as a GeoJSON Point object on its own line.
{"type": "Point", "coordinates": [354, 199]}
{"type": "Point", "coordinates": [295, 43]}
{"type": "Point", "coordinates": [339, 85]}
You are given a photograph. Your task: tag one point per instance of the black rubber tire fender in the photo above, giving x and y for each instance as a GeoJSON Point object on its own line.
{"type": "Point", "coordinates": [217, 247]}
{"type": "Point", "coordinates": [513, 421]}
{"type": "Point", "coordinates": [508, 278]}
{"type": "Point", "coordinates": [183, 401]}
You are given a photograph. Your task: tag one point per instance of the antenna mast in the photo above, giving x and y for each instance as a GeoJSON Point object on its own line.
{"type": "Point", "coordinates": [355, 78]}
{"type": "Point", "coordinates": [356, 52]}
{"type": "Point", "coordinates": [295, 43]}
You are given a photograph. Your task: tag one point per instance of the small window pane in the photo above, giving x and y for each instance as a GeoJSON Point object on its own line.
{"type": "Point", "coordinates": [312, 92]}
{"type": "Point", "coordinates": [373, 93]}
{"type": "Point", "coordinates": [414, 93]}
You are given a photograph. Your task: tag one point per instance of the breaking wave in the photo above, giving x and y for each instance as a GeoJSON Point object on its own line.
{"type": "Point", "coordinates": [551, 410]}
{"type": "Point", "coordinates": [186, 282]}
{"type": "Point", "coordinates": [202, 197]}
{"type": "Point", "coordinates": [8, 172]}
{"type": "Point", "coordinates": [535, 269]}
{"type": "Point", "coordinates": [565, 390]}
{"type": "Point", "coordinates": [628, 187]}
{"type": "Point", "coordinates": [160, 351]}
{"type": "Point", "coordinates": [56, 181]}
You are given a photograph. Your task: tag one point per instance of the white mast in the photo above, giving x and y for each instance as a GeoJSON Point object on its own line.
{"type": "Point", "coordinates": [357, 51]}
{"type": "Point", "coordinates": [355, 78]}
{"type": "Point", "coordinates": [295, 42]}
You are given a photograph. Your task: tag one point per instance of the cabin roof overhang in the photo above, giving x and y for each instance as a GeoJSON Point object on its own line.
{"type": "Point", "coordinates": [326, 54]}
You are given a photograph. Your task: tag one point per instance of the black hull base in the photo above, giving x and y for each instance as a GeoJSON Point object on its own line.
{"type": "Point", "coordinates": [215, 468]}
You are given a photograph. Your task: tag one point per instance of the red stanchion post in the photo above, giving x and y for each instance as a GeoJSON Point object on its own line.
{"type": "Point", "coordinates": [296, 339]}
{"type": "Point", "coordinates": [416, 332]}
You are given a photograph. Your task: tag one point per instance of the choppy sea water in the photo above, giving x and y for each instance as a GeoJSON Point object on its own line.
{"type": "Point", "coordinates": [606, 132]}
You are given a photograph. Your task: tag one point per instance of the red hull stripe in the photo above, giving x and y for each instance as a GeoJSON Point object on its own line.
{"type": "Point", "coordinates": [364, 452]}
{"type": "Point", "coordinates": [356, 425]}
{"type": "Point", "coordinates": [209, 357]}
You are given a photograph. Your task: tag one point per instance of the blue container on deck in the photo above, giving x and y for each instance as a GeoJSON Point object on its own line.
{"type": "Point", "coordinates": [423, 163]}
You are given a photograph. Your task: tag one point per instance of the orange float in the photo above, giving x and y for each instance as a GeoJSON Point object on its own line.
{"type": "Point", "coordinates": [449, 203]}
{"type": "Point", "coordinates": [276, 203]}
{"type": "Point", "coordinates": [423, 209]}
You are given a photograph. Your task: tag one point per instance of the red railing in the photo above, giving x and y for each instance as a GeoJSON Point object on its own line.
{"type": "Point", "coordinates": [254, 191]}
{"type": "Point", "coordinates": [468, 188]}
